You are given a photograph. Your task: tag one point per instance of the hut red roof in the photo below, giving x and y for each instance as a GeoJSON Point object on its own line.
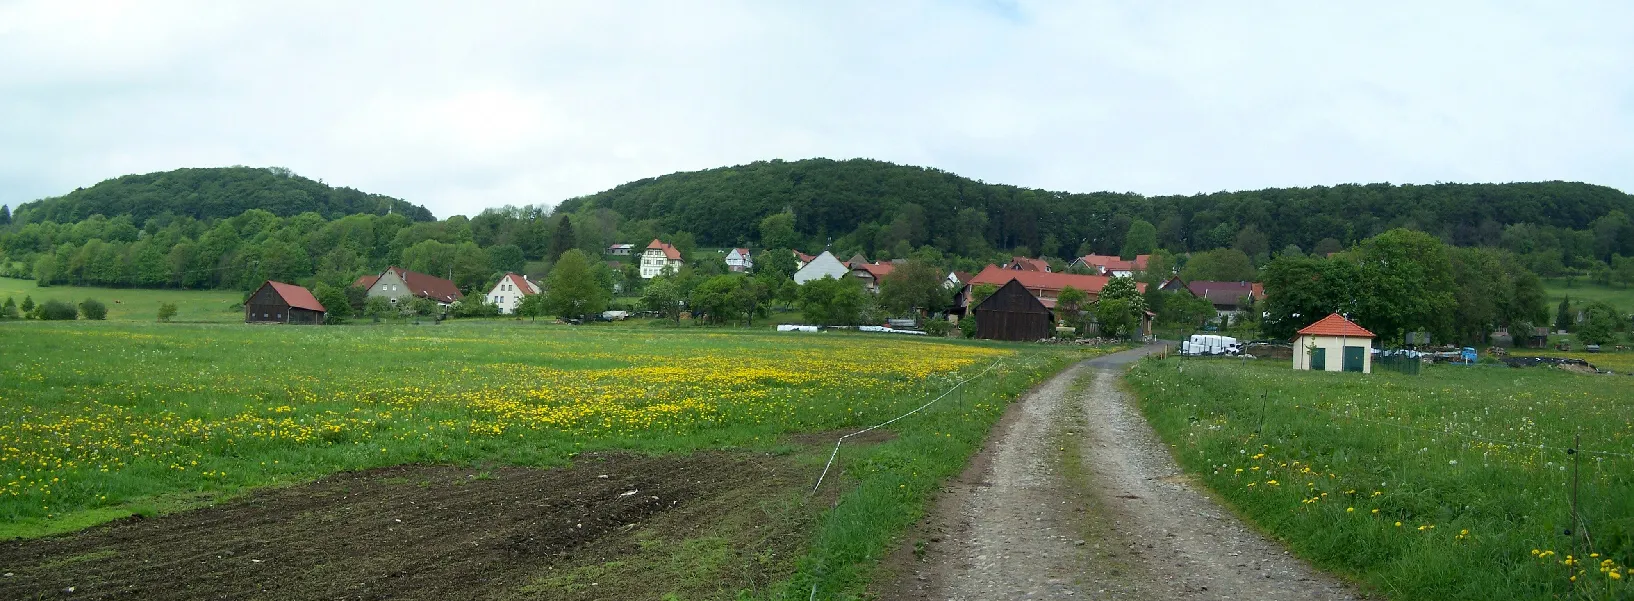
{"type": "Point", "coordinates": [296, 296]}
{"type": "Point", "coordinates": [1336, 325]}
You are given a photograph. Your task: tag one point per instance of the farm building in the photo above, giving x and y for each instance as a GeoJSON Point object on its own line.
{"type": "Point", "coordinates": [1013, 313]}
{"type": "Point", "coordinates": [624, 250]}
{"type": "Point", "coordinates": [821, 266]}
{"type": "Point", "coordinates": [1334, 344]}
{"type": "Point", "coordinates": [397, 284]}
{"type": "Point", "coordinates": [277, 302]}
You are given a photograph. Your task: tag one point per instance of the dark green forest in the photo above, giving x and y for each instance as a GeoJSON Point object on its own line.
{"type": "Point", "coordinates": [235, 227]}
{"type": "Point", "coordinates": [213, 193]}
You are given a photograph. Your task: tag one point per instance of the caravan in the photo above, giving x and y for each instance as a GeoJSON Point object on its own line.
{"type": "Point", "coordinates": [1210, 344]}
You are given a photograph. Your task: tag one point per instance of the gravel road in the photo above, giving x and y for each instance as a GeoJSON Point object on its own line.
{"type": "Point", "coordinates": [1075, 497]}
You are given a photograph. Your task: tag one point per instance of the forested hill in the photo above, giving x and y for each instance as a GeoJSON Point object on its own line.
{"type": "Point", "coordinates": [875, 205]}
{"type": "Point", "coordinates": [213, 193]}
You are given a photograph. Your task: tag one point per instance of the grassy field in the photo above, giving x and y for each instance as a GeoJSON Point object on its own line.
{"type": "Point", "coordinates": [1454, 484]}
{"type": "Point", "coordinates": [1621, 363]}
{"type": "Point", "coordinates": [1582, 290]}
{"type": "Point", "coordinates": [100, 420]}
{"type": "Point", "coordinates": [135, 304]}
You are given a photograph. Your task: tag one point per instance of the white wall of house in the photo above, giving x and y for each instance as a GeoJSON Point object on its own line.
{"type": "Point", "coordinates": [653, 263]}
{"type": "Point", "coordinates": [737, 261]}
{"type": "Point", "coordinates": [508, 295]}
{"type": "Point", "coordinates": [825, 265]}
{"type": "Point", "coordinates": [1334, 349]}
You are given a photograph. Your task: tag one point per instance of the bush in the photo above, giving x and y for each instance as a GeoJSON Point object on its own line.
{"type": "Point", "coordinates": [56, 310]}
{"type": "Point", "coordinates": [938, 328]}
{"type": "Point", "coordinates": [9, 310]}
{"type": "Point", "coordinates": [167, 311]}
{"type": "Point", "coordinates": [93, 309]}
{"type": "Point", "coordinates": [967, 325]}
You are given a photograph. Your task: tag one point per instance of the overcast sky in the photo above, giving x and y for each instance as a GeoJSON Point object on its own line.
{"type": "Point", "coordinates": [462, 106]}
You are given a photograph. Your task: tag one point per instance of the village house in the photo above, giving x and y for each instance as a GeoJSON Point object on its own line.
{"type": "Point", "coordinates": [1228, 298]}
{"type": "Point", "coordinates": [1045, 286]}
{"type": "Point", "coordinates": [277, 302]}
{"type": "Point", "coordinates": [1111, 265]}
{"type": "Point", "coordinates": [802, 259]}
{"type": "Point", "coordinates": [398, 284]}
{"type": "Point", "coordinates": [956, 280]}
{"type": "Point", "coordinates": [825, 265]}
{"type": "Point", "coordinates": [621, 249]}
{"type": "Point", "coordinates": [1334, 344]}
{"type": "Point", "coordinates": [738, 259]}
{"type": "Point", "coordinates": [510, 291]}
{"type": "Point", "coordinates": [871, 274]}
{"type": "Point", "coordinates": [1026, 264]}
{"type": "Point", "coordinates": [660, 258]}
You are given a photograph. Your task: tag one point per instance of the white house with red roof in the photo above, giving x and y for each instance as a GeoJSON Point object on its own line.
{"type": "Point", "coordinates": [659, 258]}
{"type": "Point", "coordinates": [738, 259]}
{"type": "Point", "coordinates": [510, 291]}
{"type": "Point", "coordinates": [1334, 344]}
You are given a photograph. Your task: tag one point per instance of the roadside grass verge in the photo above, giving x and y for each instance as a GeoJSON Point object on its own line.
{"type": "Point", "coordinates": [1454, 484]}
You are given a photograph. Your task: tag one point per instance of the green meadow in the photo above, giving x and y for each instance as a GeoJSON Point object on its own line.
{"type": "Point", "coordinates": [136, 304]}
{"type": "Point", "coordinates": [1581, 290]}
{"type": "Point", "coordinates": [101, 420]}
{"type": "Point", "coordinates": [1454, 484]}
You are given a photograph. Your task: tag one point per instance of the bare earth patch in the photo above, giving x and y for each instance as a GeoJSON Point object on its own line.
{"type": "Point", "coordinates": [1075, 497]}
{"type": "Point", "coordinates": [611, 527]}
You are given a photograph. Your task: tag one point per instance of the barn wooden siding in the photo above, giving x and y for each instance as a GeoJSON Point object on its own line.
{"type": "Point", "coordinates": [1013, 313]}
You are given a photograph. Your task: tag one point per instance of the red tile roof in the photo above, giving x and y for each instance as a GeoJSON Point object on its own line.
{"type": "Point", "coordinates": [1115, 263]}
{"type": "Point", "coordinates": [962, 276]}
{"type": "Point", "coordinates": [1026, 264]}
{"type": "Point", "coordinates": [804, 258]}
{"type": "Point", "coordinates": [669, 251]}
{"type": "Point", "coordinates": [1038, 281]}
{"type": "Point", "coordinates": [366, 281]}
{"type": "Point", "coordinates": [427, 286]}
{"type": "Point", "coordinates": [1336, 325]}
{"type": "Point", "coordinates": [296, 296]}
{"type": "Point", "coordinates": [878, 270]}
{"type": "Point", "coordinates": [521, 283]}
{"type": "Point", "coordinates": [1226, 293]}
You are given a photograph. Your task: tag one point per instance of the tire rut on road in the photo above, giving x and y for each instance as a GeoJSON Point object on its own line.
{"type": "Point", "coordinates": [1075, 497]}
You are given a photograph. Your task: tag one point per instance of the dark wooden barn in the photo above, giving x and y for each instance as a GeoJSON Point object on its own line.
{"type": "Point", "coordinates": [277, 302]}
{"type": "Point", "coordinates": [1013, 313]}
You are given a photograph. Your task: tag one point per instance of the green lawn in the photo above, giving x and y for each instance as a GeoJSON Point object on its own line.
{"type": "Point", "coordinates": [1453, 484]}
{"type": "Point", "coordinates": [136, 304]}
{"type": "Point", "coordinates": [1583, 290]}
{"type": "Point", "coordinates": [102, 419]}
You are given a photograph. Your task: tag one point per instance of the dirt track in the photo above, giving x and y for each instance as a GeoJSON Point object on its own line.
{"type": "Point", "coordinates": [1075, 497]}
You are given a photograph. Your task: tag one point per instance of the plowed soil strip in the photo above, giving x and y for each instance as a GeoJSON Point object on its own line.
{"type": "Point", "coordinates": [440, 532]}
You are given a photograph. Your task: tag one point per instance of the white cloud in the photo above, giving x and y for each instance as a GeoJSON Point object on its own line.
{"type": "Point", "coordinates": [465, 107]}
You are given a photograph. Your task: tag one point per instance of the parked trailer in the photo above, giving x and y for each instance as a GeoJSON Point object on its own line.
{"type": "Point", "coordinates": [1210, 344]}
